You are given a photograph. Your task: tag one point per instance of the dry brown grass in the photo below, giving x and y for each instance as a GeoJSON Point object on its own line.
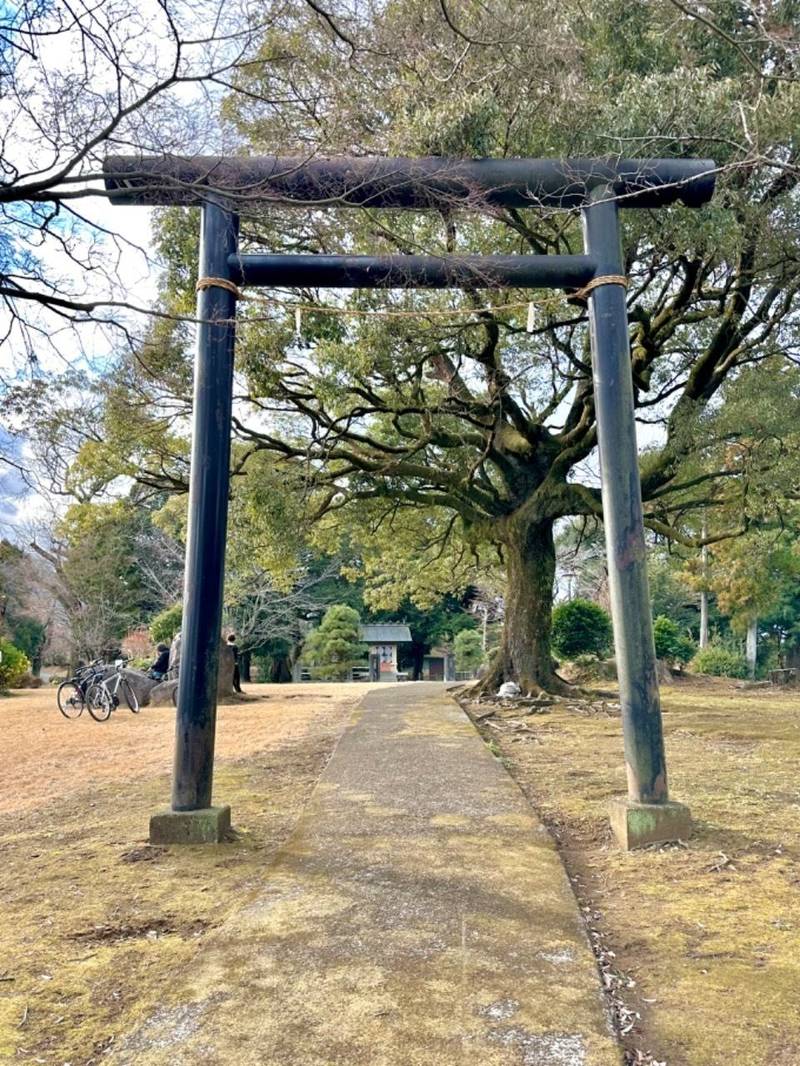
{"type": "Point", "coordinates": [706, 934]}
{"type": "Point", "coordinates": [92, 917]}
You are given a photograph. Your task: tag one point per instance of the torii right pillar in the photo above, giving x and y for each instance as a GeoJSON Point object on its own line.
{"type": "Point", "coordinates": [646, 815]}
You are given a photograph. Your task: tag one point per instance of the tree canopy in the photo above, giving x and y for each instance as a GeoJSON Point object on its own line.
{"type": "Point", "coordinates": [437, 445]}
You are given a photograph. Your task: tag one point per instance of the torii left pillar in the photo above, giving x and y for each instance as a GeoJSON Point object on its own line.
{"type": "Point", "coordinates": [192, 819]}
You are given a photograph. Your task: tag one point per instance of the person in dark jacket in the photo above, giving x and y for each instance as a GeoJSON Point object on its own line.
{"type": "Point", "coordinates": [159, 668]}
{"type": "Point", "coordinates": [237, 680]}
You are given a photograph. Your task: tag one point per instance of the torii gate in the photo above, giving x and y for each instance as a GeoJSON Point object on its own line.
{"type": "Point", "coordinates": [599, 187]}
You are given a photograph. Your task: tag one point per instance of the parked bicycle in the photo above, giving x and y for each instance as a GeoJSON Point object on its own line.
{"type": "Point", "coordinates": [98, 693]}
{"type": "Point", "coordinates": [105, 694]}
{"type": "Point", "coordinates": [71, 695]}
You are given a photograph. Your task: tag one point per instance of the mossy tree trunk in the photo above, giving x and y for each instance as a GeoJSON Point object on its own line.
{"type": "Point", "coordinates": [525, 655]}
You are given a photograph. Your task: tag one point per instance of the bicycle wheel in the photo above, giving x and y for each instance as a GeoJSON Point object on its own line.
{"type": "Point", "coordinates": [70, 699]}
{"type": "Point", "coordinates": [175, 696]}
{"type": "Point", "coordinates": [99, 702]}
{"type": "Point", "coordinates": [130, 695]}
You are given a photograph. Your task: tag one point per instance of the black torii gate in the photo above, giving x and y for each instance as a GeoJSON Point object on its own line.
{"type": "Point", "coordinates": [599, 187]}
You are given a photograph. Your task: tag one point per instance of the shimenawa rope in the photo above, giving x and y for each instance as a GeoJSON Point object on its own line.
{"type": "Point", "coordinates": [604, 279]}
{"type": "Point", "coordinates": [357, 312]}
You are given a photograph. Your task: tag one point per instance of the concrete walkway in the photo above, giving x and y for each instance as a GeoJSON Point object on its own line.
{"type": "Point", "coordinates": [419, 916]}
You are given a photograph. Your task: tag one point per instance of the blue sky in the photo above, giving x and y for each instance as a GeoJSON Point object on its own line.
{"type": "Point", "coordinates": [12, 487]}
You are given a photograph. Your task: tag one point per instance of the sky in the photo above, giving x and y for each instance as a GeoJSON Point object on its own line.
{"type": "Point", "coordinates": [21, 507]}
{"type": "Point", "coordinates": [59, 91]}
{"type": "Point", "coordinates": [138, 282]}
{"type": "Point", "coordinates": [135, 271]}
{"type": "Point", "coordinates": [12, 487]}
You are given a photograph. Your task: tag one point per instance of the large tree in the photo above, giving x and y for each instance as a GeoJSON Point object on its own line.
{"type": "Point", "coordinates": [80, 82]}
{"type": "Point", "coordinates": [431, 440]}
{"type": "Point", "coordinates": [475, 423]}
{"type": "Point", "coordinates": [109, 568]}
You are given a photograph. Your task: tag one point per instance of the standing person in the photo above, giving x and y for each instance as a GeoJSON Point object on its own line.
{"type": "Point", "coordinates": [237, 681]}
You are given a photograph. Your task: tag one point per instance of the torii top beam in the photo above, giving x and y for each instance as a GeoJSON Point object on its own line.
{"type": "Point", "coordinates": [404, 183]}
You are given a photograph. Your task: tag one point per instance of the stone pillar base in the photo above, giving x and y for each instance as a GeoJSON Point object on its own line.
{"type": "Point", "coordinates": [206, 826]}
{"type": "Point", "coordinates": [637, 824]}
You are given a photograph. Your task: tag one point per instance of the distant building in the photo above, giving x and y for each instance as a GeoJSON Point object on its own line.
{"type": "Point", "coordinates": [439, 665]}
{"type": "Point", "coordinates": [383, 641]}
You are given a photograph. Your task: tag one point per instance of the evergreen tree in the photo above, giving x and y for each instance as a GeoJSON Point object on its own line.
{"type": "Point", "coordinates": [334, 647]}
{"type": "Point", "coordinates": [468, 650]}
{"type": "Point", "coordinates": [580, 627]}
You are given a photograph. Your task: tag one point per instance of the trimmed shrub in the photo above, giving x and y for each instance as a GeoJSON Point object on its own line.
{"type": "Point", "coordinates": [580, 627]}
{"type": "Point", "coordinates": [165, 625]}
{"type": "Point", "coordinates": [143, 663]}
{"type": "Point", "coordinates": [590, 668]}
{"type": "Point", "coordinates": [28, 636]}
{"type": "Point", "coordinates": [468, 649]}
{"type": "Point", "coordinates": [14, 665]}
{"type": "Point", "coordinates": [719, 662]}
{"type": "Point", "coordinates": [29, 681]}
{"type": "Point", "coordinates": [671, 644]}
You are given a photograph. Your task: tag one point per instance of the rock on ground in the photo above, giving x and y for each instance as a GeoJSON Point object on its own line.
{"type": "Point", "coordinates": [161, 692]}
{"type": "Point", "coordinates": [141, 684]}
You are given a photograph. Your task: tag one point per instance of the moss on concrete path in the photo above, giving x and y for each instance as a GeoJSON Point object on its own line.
{"type": "Point", "coordinates": [700, 940]}
{"type": "Point", "coordinates": [419, 915]}
{"type": "Point", "coordinates": [93, 921]}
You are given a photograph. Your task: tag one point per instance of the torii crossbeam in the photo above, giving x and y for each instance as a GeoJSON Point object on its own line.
{"type": "Point", "coordinates": [223, 187]}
